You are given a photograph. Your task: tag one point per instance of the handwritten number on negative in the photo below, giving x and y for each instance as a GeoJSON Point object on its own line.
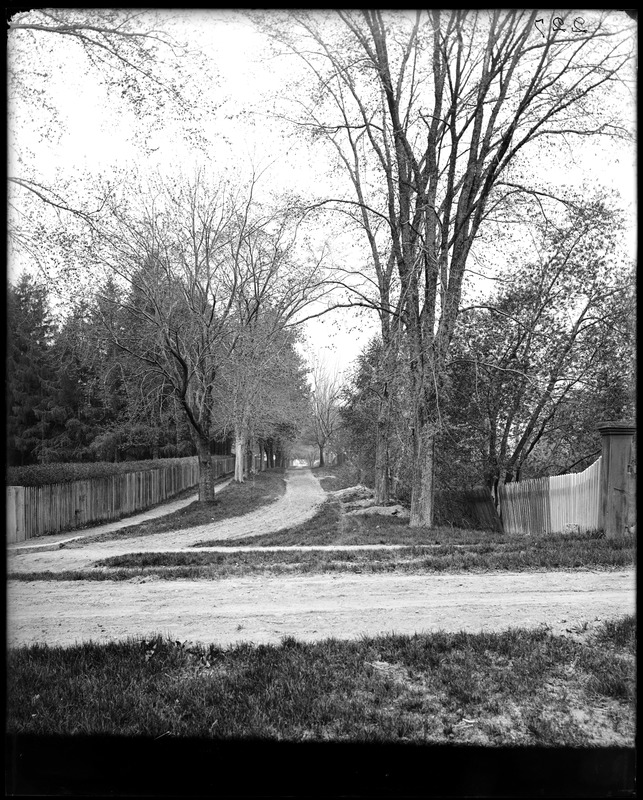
{"type": "Point", "coordinates": [557, 24]}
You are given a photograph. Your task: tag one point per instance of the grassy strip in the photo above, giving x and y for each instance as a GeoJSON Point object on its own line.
{"type": "Point", "coordinates": [235, 500]}
{"type": "Point", "coordinates": [453, 549]}
{"type": "Point", "coordinates": [554, 553]}
{"type": "Point", "coordinates": [523, 687]}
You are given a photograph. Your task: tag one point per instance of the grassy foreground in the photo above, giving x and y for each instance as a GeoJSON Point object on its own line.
{"type": "Point", "coordinates": [520, 687]}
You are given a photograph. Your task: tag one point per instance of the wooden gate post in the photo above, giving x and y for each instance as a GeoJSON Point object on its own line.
{"type": "Point", "coordinates": [615, 481]}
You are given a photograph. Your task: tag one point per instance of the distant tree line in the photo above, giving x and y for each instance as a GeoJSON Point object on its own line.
{"type": "Point", "coordinates": [187, 343]}
{"type": "Point", "coordinates": [73, 395]}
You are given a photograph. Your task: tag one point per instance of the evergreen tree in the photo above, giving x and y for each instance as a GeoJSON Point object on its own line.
{"type": "Point", "coordinates": [30, 373]}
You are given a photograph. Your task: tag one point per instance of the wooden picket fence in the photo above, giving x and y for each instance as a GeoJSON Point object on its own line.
{"type": "Point", "coordinates": [38, 510]}
{"type": "Point", "coordinates": [552, 505]}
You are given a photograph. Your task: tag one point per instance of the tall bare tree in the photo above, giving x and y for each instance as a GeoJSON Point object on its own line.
{"type": "Point", "coordinates": [134, 54]}
{"type": "Point", "coordinates": [325, 407]}
{"type": "Point", "coordinates": [434, 115]}
{"type": "Point", "coordinates": [204, 266]}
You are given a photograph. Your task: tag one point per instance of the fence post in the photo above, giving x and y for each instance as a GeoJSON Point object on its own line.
{"type": "Point", "coordinates": [615, 476]}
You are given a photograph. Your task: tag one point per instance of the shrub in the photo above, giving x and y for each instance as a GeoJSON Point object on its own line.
{"type": "Point", "coordinates": [43, 474]}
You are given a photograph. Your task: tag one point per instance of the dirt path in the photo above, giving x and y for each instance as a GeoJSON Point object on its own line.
{"type": "Point", "coordinates": [263, 610]}
{"type": "Point", "coordinates": [299, 503]}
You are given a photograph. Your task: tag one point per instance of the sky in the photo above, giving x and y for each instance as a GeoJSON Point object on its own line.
{"type": "Point", "coordinates": [90, 136]}
{"type": "Point", "coordinates": [84, 140]}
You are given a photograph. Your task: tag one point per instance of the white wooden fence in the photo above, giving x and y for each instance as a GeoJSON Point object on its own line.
{"type": "Point", "coordinates": [550, 505]}
{"type": "Point", "coordinates": [38, 510]}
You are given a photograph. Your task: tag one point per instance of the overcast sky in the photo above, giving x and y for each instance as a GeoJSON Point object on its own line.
{"type": "Point", "coordinates": [91, 135]}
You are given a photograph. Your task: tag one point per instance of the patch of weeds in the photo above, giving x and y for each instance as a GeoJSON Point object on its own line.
{"type": "Point", "coordinates": [487, 688]}
{"type": "Point", "coordinates": [619, 633]}
{"type": "Point", "coordinates": [619, 685]}
{"type": "Point", "coordinates": [547, 727]}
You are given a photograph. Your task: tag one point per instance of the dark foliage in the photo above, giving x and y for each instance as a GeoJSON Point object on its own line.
{"type": "Point", "coordinates": [43, 474]}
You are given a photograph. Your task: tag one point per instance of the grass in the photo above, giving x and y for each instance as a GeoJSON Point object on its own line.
{"type": "Point", "coordinates": [473, 556]}
{"type": "Point", "coordinates": [440, 549]}
{"type": "Point", "coordinates": [519, 687]}
{"type": "Point", "coordinates": [331, 526]}
{"type": "Point", "coordinates": [435, 550]}
{"type": "Point", "coordinates": [234, 500]}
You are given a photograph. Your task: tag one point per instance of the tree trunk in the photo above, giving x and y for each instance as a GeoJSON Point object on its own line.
{"type": "Point", "coordinates": [382, 494]}
{"type": "Point", "coordinates": [238, 456]}
{"type": "Point", "coordinates": [250, 456]}
{"type": "Point", "coordinates": [271, 457]}
{"type": "Point", "coordinates": [206, 474]}
{"type": "Point", "coordinates": [263, 463]}
{"type": "Point", "coordinates": [321, 456]}
{"type": "Point", "coordinates": [423, 485]}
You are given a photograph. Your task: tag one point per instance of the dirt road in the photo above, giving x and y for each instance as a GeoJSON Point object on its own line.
{"type": "Point", "coordinates": [264, 609]}
{"type": "Point", "coordinates": [311, 607]}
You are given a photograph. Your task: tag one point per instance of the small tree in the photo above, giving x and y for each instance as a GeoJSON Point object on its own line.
{"type": "Point", "coordinates": [262, 390]}
{"type": "Point", "coordinates": [542, 346]}
{"type": "Point", "coordinates": [325, 407]}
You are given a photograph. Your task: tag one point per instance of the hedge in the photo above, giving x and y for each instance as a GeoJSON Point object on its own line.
{"type": "Point", "coordinates": [44, 474]}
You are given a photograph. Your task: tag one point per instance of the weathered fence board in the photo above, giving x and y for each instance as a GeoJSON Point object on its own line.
{"type": "Point", "coordinates": [549, 505]}
{"type": "Point", "coordinates": [15, 514]}
{"type": "Point", "coordinates": [38, 510]}
{"type": "Point", "coordinates": [575, 499]}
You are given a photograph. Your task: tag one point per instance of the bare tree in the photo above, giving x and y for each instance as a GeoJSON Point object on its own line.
{"type": "Point", "coordinates": [544, 339]}
{"type": "Point", "coordinates": [203, 267]}
{"type": "Point", "coordinates": [132, 52]}
{"type": "Point", "coordinates": [325, 405]}
{"type": "Point", "coordinates": [262, 390]}
{"type": "Point", "coordinates": [434, 115]}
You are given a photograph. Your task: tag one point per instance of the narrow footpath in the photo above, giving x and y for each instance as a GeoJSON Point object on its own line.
{"type": "Point", "coordinates": [300, 502]}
